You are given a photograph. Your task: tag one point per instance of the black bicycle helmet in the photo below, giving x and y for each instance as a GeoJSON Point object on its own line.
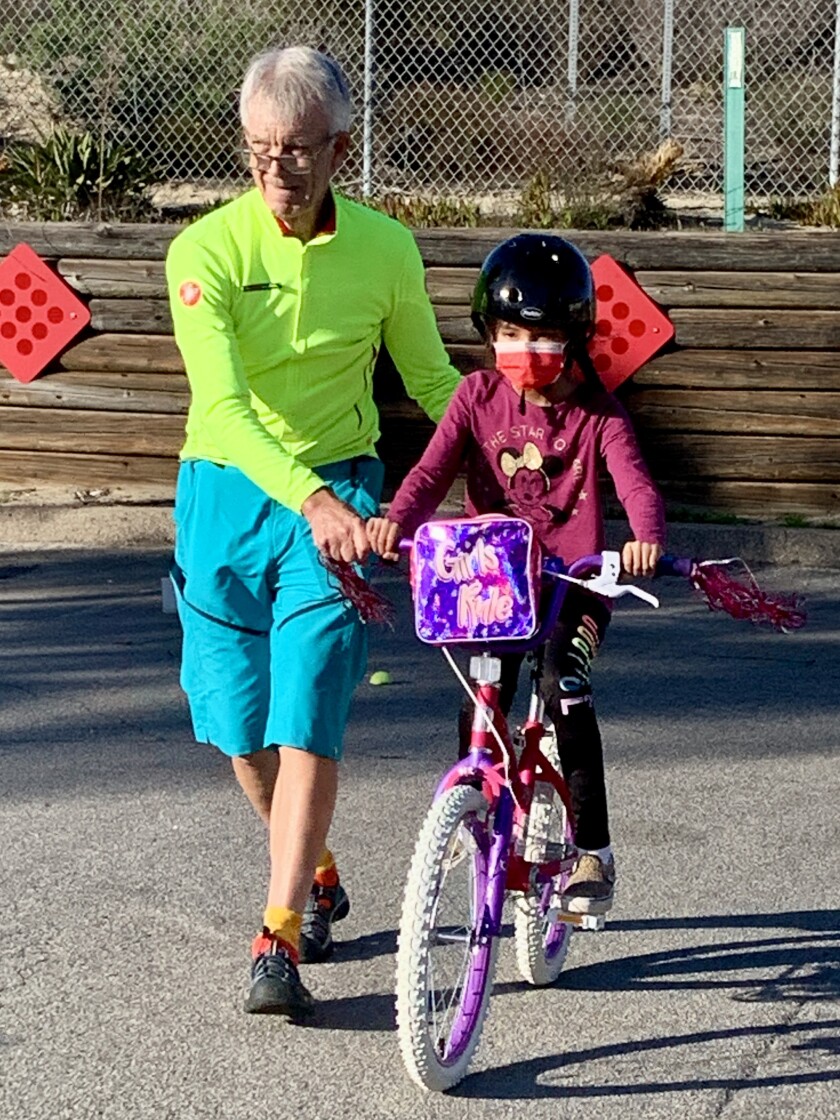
{"type": "Point", "coordinates": [537, 280]}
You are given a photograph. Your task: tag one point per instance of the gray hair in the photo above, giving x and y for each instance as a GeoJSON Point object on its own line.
{"type": "Point", "coordinates": [291, 79]}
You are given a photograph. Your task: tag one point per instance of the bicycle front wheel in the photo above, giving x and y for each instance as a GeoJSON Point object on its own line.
{"type": "Point", "coordinates": [542, 944]}
{"type": "Point", "coordinates": [444, 964]}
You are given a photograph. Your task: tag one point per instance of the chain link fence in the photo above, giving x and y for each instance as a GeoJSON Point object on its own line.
{"type": "Point", "coordinates": [463, 99]}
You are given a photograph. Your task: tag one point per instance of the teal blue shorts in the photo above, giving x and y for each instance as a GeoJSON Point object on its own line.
{"type": "Point", "coordinates": [271, 650]}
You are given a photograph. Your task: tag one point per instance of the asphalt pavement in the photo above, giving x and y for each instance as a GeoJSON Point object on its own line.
{"type": "Point", "coordinates": [132, 875]}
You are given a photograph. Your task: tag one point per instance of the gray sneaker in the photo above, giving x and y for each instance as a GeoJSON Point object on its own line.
{"type": "Point", "coordinates": [324, 906]}
{"type": "Point", "coordinates": [590, 887]}
{"type": "Point", "coordinates": [276, 987]}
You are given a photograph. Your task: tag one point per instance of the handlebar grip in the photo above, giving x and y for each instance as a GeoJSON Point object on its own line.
{"type": "Point", "coordinates": [668, 565]}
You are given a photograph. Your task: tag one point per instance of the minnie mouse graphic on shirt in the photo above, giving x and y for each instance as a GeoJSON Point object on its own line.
{"type": "Point", "coordinates": [529, 476]}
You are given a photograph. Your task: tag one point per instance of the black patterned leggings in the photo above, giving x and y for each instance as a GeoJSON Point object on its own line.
{"type": "Point", "coordinates": [567, 693]}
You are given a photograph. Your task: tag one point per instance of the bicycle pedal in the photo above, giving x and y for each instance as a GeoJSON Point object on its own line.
{"type": "Point", "coordinates": [588, 922]}
{"type": "Point", "coordinates": [593, 923]}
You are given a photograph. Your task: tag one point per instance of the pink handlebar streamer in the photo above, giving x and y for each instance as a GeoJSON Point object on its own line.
{"type": "Point", "coordinates": [744, 599]}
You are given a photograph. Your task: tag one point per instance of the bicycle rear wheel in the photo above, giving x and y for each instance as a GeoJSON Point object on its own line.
{"type": "Point", "coordinates": [542, 944]}
{"type": "Point", "coordinates": [444, 965]}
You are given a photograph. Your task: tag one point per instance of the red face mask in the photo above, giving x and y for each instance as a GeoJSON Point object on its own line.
{"type": "Point", "coordinates": [530, 365]}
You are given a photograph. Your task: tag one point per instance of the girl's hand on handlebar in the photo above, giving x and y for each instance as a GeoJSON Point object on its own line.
{"type": "Point", "coordinates": [638, 558]}
{"type": "Point", "coordinates": [384, 537]}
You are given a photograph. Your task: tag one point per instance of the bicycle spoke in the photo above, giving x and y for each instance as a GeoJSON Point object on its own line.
{"type": "Point", "coordinates": [451, 942]}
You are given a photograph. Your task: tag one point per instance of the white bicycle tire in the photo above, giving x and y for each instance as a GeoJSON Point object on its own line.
{"type": "Point", "coordinates": [423, 1063]}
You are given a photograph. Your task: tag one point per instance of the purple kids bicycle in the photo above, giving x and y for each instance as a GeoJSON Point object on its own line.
{"type": "Point", "coordinates": [500, 821]}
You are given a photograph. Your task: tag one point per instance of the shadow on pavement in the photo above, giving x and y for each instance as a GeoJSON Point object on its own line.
{"type": "Point", "coordinates": [810, 962]}
{"type": "Point", "coordinates": [520, 1080]}
{"type": "Point", "coordinates": [374, 1012]}
{"type": "Point", "coordinates": [368, 946]}
{"type": "Point", "coordinates": [800, 966]}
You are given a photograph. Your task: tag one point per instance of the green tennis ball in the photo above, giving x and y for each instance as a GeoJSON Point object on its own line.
{"type": "Point", "coordinates": [381, 676]}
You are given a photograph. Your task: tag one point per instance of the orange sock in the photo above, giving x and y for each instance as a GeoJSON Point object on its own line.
{"type": "Point", "coordinates": [326, 872]}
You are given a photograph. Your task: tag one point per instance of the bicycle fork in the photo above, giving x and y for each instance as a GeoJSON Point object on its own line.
{"type": "Point", "coordinates": [497, 867]}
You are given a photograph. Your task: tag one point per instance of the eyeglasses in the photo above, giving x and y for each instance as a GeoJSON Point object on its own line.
{"type": "Point", "coordinates": [295, 160]}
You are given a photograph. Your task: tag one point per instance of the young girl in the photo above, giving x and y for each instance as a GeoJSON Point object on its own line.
{"type": "Point", "coordinates": [531, 435]}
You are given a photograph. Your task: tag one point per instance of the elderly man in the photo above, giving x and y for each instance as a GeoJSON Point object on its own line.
{"type": "Point", "coordinates": [281, 301]}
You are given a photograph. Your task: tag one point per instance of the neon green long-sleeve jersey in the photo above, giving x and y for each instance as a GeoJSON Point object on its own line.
{"type": "Point", "coordinates": [280, 339]}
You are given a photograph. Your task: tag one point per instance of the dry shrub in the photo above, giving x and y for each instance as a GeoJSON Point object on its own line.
{"type": "Point", "coordinates": [826, 210]}
{"type": "Point", "coordinates": [627, 196]}
{"type": "Point", "coordinates": [637, 199]}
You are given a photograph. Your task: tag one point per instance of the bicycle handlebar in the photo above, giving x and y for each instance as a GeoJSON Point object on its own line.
{"type": "Point", "coordinates": [597, 574]}
{"type": "Point", "coordinates": [667, 565]}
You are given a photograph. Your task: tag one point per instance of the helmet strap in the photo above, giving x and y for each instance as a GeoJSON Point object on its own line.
{"type": "Point", "coordinates": [569, 361]}
{"type": "Point", "coordinates": [591, 381]}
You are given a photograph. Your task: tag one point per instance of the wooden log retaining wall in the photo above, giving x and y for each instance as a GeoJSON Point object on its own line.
{"type": "Point", "coordinates": [742, 415]}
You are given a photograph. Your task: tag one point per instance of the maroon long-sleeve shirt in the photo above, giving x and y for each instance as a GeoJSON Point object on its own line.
{"type": "Point", "coordinates": [541, 464]}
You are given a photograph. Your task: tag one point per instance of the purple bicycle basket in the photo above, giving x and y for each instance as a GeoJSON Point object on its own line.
{"type": "Point", "coordinates": [475, 580]}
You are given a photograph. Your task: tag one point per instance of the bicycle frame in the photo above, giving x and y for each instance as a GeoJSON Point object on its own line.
{"type": "Point", "coordinates": [508, 785]}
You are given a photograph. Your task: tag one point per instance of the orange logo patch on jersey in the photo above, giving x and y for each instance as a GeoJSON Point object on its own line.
{"type": "Point", "coordinates": [190, 293]}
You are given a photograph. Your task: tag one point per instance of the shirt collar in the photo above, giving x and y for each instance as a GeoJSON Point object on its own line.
{"type": "Point", "coordinates": [326, 219]}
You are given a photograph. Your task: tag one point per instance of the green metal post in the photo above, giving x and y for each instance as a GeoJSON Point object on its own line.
{"type": "Point", "coordinates": [733, 128]}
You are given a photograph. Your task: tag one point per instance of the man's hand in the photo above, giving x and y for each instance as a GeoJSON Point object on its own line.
{"type": "Point", "coordinates": [638, 558]}
{"type": "Point", "coordinates": [337, 529]}
{"type": "Point", "coordinates": [384, 536]}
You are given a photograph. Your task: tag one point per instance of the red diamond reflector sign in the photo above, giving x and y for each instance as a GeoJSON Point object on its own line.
{"type": "Point", "coordinates": [629, 327]}
{"type": "Point", "coordinates": [39, 313]}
